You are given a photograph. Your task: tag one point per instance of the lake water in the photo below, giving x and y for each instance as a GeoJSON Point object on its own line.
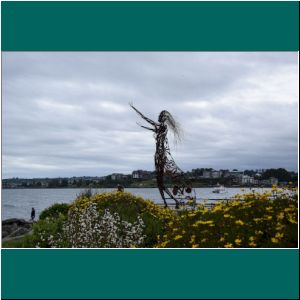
{"type": "Point", "coordinates": [17, 203]}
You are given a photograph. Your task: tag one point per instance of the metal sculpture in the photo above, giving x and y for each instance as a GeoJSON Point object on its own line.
{"type": "Point", "coordinates": [165, 165]}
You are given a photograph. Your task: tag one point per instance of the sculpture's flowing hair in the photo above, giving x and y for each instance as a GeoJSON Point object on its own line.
{"type": "Point", "coordinates": [173, 126]}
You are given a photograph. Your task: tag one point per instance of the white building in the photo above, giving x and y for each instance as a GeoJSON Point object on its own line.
{"type": "Point", "coordinates": [246, 179]}
{"type": "Point", "coordinates": [215, 174]}
{"type": "Point", "coordinates": [206, 174]}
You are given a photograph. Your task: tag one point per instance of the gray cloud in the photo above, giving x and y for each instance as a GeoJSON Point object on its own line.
{"type": "Point", "coordinates": [67, 113]}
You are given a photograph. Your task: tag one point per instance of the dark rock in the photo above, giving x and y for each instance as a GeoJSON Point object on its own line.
{"type": "Point", "coordinates": [4, 233]}
{"type": "Point", "coordinates": [19, 222]}
{"type": "Point", "coordinates": [15, 227]}
{"type": "Point", "coordinates": [20, 231]}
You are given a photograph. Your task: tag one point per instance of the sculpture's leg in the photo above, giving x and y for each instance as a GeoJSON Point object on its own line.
{"type": "Point", "coordinates": [171, 196]}
{"type": "Point", "coordinates": [161, 190]}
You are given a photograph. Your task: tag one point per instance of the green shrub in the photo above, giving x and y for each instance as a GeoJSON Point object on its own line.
{"type": "Point", "coordinates": [55, 210]}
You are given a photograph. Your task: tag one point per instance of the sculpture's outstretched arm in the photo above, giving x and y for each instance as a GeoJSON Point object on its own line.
{"type": "Point", "coordinates": [152, 129]}
{"type": "Point", "coordinates": [145, 118]}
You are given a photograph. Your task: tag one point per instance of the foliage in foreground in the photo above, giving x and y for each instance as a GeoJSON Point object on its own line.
{"type": "Point", "coordinates": [120, 219]}
{"type": "Point", "coordinates": [252, 220]}
{"type": "Point", "coordinates": [116, 219]}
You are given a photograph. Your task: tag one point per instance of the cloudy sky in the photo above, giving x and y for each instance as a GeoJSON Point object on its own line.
{"type": "Point", "coordinates": [67, 113]}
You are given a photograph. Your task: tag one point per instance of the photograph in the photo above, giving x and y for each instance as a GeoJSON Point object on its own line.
{"type": "Point", "coordinates": [149, 149]}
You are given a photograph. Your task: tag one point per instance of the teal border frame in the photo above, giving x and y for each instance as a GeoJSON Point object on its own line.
{"type": "Point", "coordinates": [150, 273]}
{"type": "Point", "coordinates": [150, 26]}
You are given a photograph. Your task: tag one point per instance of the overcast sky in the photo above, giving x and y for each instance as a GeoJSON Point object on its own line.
{"type": "Point", "coordinates": [67, 113]}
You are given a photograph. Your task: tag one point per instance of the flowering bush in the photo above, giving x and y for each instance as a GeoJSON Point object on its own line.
{"type": "Point", "coordinates": [87, 229]}
{"type": "Point", "coordinates": [113, 220]}
{"type": "Point", "coordinates": [253, 220]}
{"type": "Point", "coordinates": [129, 207]}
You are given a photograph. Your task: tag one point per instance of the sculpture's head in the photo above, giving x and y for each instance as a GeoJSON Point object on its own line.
{"type": "Point", "coordinates": [166, 118]}
{"type": "Point", "coordinates": [163, 116]}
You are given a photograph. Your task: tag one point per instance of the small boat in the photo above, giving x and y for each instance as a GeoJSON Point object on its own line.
{"type": "Point", "coordinates": [219, 190]}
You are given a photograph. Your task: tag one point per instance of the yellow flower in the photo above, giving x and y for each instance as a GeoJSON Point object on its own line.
{"type": "Point", "coordinates": [238, 241]}
{"type": "Point", "coordinates": [292, 221]}
{"type": "Point", "coordinates": [209, 222]}
{"type": "Point", "coordinates": [163, 244]}
{"type": "Point", "coordinates": [239, 222]}
{"type": "Point", "coordinates": [195, 246]}
{"type": "Point", "coordinates": [200, 222]}
{"type": "Point", "coordinates": [217, 208]}
{"type": "Point", "coordinates": [280, 216]}
{"type": "Point", "coordinates": [279, 226]}
{"type": "Point", "coordinates": [177, 237]}
{"type": "Point", "coordinates": [222, 239]}
{"type": "Point", "coordinates": [226, 216]}
{"type": "Point", "coordinates": [229, 245]}
{"type": "Point", "coordinates": [203, 240]}
{"type": "Point", "coordinates": [252, 244]}
{"type": "Point", "coordinates": [274, 240]}
{"type": "Point", "coordinates": [269, 208]}
{"type": "Point", "coordinates": [235, 203]}
{"type": "Point", "coordinates": [193, 237]}
{"type": "Point", "coordinates": [279, 235]}
{"type": "Point", "coordinates": [251, 238]}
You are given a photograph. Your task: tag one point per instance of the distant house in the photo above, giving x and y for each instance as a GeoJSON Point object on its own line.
{"type": "Point", "coordinates": [269, 182]}
{"type": "Point", "coordinates": [215, 174]}
{"type": "Point", "coordinates": [116, 176]}
{"type": "Point", "coordinates": [225, 173]}
{"type": "Point", "coordinates": [273, 181]}
{"type": "Point", "coordinates": [236, 173]}
{"type": "Point", "coordinates": [44, 184]}
{"type": "Point", "coordinates": [246, 179]}
{"type": "Point", "coordinates": [206, 174]}
{"type": "Point", "coordinates": [141, 174]}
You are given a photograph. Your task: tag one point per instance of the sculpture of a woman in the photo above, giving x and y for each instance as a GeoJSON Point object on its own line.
{"type": "Point", "coordinates": [164, 162]}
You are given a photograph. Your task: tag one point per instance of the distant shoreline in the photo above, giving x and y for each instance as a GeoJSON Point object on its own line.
{"type": "Point", "coordinates": [131, 187]}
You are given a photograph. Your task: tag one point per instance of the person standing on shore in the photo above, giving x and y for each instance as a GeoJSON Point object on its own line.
{"type": "Point", "coordinates": [32, 214]}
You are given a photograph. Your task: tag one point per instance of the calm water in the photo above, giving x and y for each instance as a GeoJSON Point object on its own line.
{"type": "Point", "coordinates": [17, 203]}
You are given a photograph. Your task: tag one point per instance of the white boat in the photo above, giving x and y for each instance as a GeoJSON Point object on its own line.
{"type": "Point", "coordinates": [220, 190]}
